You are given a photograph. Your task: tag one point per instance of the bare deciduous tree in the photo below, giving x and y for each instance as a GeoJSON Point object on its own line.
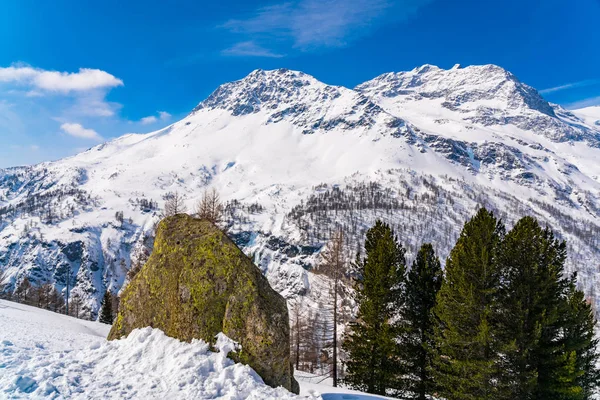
{"type": "Point", "coordinates": [75, 305]}
{"type": "Point", "coordinates": [23, 291]}
{"type": "Point", "coordinates": [298, 326]}
{"type": "Point", "coordinates": [210, 207]}
{"type": "Point", "coordinates": [174, 205]}
{"type": "Point", "coordinates": [334, 261]}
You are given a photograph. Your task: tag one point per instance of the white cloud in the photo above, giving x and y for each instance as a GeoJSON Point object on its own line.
{"type": "Point", "coordinates": [93, 104]}
{"type": "Point", "coordinates": [72, 95]}
{"type": "Point", "coordinates": [54, 81]}
{"type": "Point", "coordinates": [571, 85]}
{"type": "Point", "coordinates": [249, 49]}
{"type": "Point", "coordinates": [311, 24]}
{"type": "Point", "coordinates": [151, 119]}
{"type": "Point", "coordinates": [77, 130]}
{"type": "Point", "coordinates": [148, 120]}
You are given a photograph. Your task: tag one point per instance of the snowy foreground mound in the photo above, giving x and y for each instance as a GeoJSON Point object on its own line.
{"type": "Point", "coordinates": [47, 355]}
{"type": "Point", "coordinates": [147, 364]}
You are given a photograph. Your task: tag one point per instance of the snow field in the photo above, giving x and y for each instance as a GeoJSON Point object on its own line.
{"type": "Point", "coordinates": [44, 355]}
{"type": "Point", "coordinates": [51, 356]}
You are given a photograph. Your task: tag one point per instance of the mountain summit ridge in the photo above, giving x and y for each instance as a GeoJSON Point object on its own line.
{"type": "Point", "coordinates": [415, 148]}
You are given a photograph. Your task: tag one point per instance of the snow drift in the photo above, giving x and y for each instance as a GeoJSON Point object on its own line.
{"type": "Point", "coordinates": [35, 362]}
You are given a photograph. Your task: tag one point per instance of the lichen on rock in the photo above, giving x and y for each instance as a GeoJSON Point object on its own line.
{"type": "Point", "coordinates": [198, 283]}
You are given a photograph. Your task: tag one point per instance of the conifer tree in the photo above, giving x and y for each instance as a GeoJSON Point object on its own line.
{"type": "Point", "coordinates": [422, 284]}
{"type": "Point", "coordinates": [579, 336]}
{"type": "Point", "coordinates": [106, 314]}
{"type": "Point", "coordinates": [464, 356]}
{"type": "Point", "coordinates": [373, 365]}
{"type": "Point", "coordinates": [538, 365]}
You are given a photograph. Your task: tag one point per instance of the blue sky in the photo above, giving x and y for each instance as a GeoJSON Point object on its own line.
{"type": "Point", "coordinates": [75, 73]}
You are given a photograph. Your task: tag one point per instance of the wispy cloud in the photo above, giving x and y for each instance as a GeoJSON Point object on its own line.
{"type": "Point", "coordinates": [148, 120]}
{"type": "Point", "coordinates": [78, 131]}
{"type": "Point", "coordinates": [249, 49]}
{"type": "Point", "coordinates": [151, 119]}
{"type": "Point", "coordinates": [93, 104]}
{"type": "Point", "coordinates": [589, 102]}
{"type": "Point", "coordinates": [571, 85]}
{"type": "Point", "coordinates": [307, 25]}
{"type": "Point", "coordinates": [32, 147]}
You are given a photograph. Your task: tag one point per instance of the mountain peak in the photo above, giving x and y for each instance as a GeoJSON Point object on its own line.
{"type": "Point", "coordinates": [460, 86]}
{"type": "Point", "coordinates": [249, 94]}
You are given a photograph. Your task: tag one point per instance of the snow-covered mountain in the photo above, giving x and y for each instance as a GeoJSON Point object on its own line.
{"type": "Point", "coordinates": [420, 149]}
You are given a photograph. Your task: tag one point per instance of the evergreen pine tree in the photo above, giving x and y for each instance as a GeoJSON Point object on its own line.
{"type": "Point", "coordinates": [465, 356]}
{"type": "Point", "coordinates": [538, 364]}
{"type": "Point", "coordinates": [579, 323]}
{"type": "Point", "coordinates": [422, 284]}
{"type": "Point", "coordinates": [106, 314]}
{"type": "Point", "coordinates": [373, 364]}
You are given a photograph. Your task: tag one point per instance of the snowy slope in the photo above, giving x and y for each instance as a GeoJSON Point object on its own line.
{"type": "Point", "coordinates": [45, 355]}
{"type": "Point", "coordinates": [420, 149]}
{"type": "Point", "coordinates": [591, 115]}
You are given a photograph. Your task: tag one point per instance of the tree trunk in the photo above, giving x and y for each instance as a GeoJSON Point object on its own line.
{"type": "Point", "coordinates": [335, 366]}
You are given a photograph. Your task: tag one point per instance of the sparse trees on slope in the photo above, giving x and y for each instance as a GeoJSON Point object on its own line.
{"type": "Point", "coordinates": [465, 353]}
{"type": "Point", "coordinates": [174, 205]}
{"type": "Point", "coordinates": [422, 285]}
{"type": "Point", "coordinates": [210, 207]}
{"type": "Point", "coordinates": [373, 364]}
{"type": "Point", "coordinates": [23, 291]}
{"type": "Point", "coordinates": [55, 300]}
{"type": "Point", "coordinates": [106, 309]}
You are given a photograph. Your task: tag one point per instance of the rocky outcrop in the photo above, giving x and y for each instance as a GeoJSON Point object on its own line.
{"type": "Point", "coordinates": [198, 283]}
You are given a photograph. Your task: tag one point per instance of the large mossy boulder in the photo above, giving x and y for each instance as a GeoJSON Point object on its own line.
{"type": "Point", "coordinates": [198, 283]}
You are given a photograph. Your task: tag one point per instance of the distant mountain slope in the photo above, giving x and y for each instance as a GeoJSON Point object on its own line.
{"type": "Point", "coordinates": [420, 149]}
{"type": "Point", "coordinates": [591, 115]}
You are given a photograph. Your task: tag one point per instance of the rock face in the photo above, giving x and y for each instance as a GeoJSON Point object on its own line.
{"type": "Point", "coordinates": [196, 284]}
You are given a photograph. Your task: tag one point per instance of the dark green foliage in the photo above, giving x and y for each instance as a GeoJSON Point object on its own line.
{"type": "Point", "coordinates": [579, 323]}
{"type": "Point", "coordinates": [422, 284]}
{"type": "Point", "coordinates": [106, 314]}
{"type": "Point", "coordinates": [373, 364]}
{"type": "Point", "coordinates": [465, 356]}
{"type": "Point", "coordinates": [532, 263]}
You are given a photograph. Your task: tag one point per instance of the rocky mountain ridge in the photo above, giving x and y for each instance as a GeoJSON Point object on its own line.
{"type": "Point", "coordinates": [295, 158]}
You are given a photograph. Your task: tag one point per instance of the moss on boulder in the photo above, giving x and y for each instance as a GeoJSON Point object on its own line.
{"type": "Point", "coordinates": [198, 283]}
